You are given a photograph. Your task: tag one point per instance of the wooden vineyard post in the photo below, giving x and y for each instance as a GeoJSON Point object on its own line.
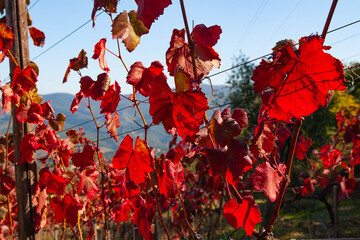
{"type": "Point", "coordinates": [26, 175]}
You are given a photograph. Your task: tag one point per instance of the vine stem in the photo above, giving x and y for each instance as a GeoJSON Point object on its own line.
{"type": "Point", "coordinates": [159, 208]}
{"type": "Point", "coordinates": [6, 164]}
{"type": "Point", "coordinates": [286, 180]}
{"type": "Point", "coordinates": [191, 44]}
{"type": "Point", "coordinates": [298, 124]}
{"type": "Point", "coordinates": [12, 57]}
{"type": "Point", "coordinates": [184, 211]}
{"type": "Point", "coordinates": [101, 166]}
{"type": "Point", "coordinates": [146, 127]}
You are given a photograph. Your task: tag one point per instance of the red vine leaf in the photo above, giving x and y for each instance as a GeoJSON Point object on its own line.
{"type": "Point", "coordinates": [302, 147]}
{"type": "Point", "coordinates": [246, 214]}
{"type": "Point", "coordinates": [99, 53]}
{"type": "Point", "coordinates": [6, 38]}
{"type": "Point", "coordinates": [150, 10]}
{"type": "Point", "coordinates": [7, 179]}
{"type": "Point", "coordinates": [53, 181]}
{"type": "Point", "coordinates": [223, 127]}
{"type": "Point", "coordinates": [183, 111]}
{"type": "Point", "coordinates": [302, 77]}
{"type": "Point", "coordinates": [178, 55]}
{"type": "Point", "coordinates": [112, 124]}
{"type": "Point", "coordinates": [171, 177]}
{"type": "Point", "coordinates": [144, 213]}
{"type": "Point", "coordinates": [95, 89]}
{"type": "Point", "coordinates": [85, 158]}
{"type": "Point", "coordinates": [137, 161]}
{"type": "Point", "coordinates": [141, 78]}
{"type": "Point", "coordinates": [268, 179]}
{"type": "Point", "coordinates": [129, 31]}
{"type": "Point", "coordinates": [37, 36]}
{"type": "Point", "coordinates": [206, 36]}
{"type": "Point", "coordinates": [66, 209]}
{"type": "Point", "coordinates": [87, 182]}
{"type": "Point", "coordinates": [263, 142]}
{"type": "Point", "coordinates": [25, 78]}
{"type": "Point", "coordinates": [76, 64]}
{"type": "Point", "coordinates": [111, 99]}
{"type": "Point", "coordinates": [109, 6]}
{"type": "Point", "coordinates": [232, 163]}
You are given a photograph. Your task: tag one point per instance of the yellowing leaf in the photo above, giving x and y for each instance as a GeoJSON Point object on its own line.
{"type": "Point", "coordinates": [129, 32]}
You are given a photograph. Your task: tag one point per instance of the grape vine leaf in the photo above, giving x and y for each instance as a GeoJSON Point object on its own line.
{"type": "Point", "coordinates": [150, 10]}
{"type": "Point", "coordinates": [302, 77]}
{"type": "Point", "coordinates": [246, 214]}
{"type": "Point", "coordinates": [85, 158]}
{"type": "Point", "coordinates": [66, 209]}
{"type": "Point", "coordinates": [263, 142]}
{"type": "Point", "coordinates": [302, 147]}
{"type": "Point", "coordinates": [7, 179]}
{"type": "Point", "coordinates": [6, 38]}
{"type": "Point", "coordinates": [223, 127]}
{"type": "Point", "coordinates": [111, 99]}
{"type": "Point", "coordinates": [144, 213]}
{"type": "Point", "coordinates": [129, 31]}
{"type": "Point", "coordinates": [141, 78]}
{"type": "Point", "coordinates": [268, 179]}
{"type": "Point", "coordinates": [109, 6]}
{"type": "Point", "coordinates": [25, 78]}
{"type": "Point", "coordinates": [171, 178]}
{"type": "Point", "coordinates": [99, 53]}
{"type": "Point", "coordinates": [183, 111]}
{"type": "Point", "coordinates": [231, 163]}
{"type": "Point", "coordinates": [178, 55]}
{"type": "Point", "coordinates": [95, 89]}
{"type": "Point", "coordinates": [37, 36]}
{"type": "Point", "coordinates": [138, 161]}
{"type": "Point", "coordinates": [87, 182]}
{"type": "Point", "coordinates": [53, 181]}
{"type": "Point", "coordinates": [112, 124]}
{"type": "Point", "coordinates": [76, 64]}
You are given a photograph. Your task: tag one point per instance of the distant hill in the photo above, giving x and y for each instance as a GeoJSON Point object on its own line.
{"type": "Point", "coordinates": [157, 137]}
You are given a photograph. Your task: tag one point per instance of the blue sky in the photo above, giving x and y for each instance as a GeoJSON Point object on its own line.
{"type": "Point", "coordinates": [250, 26]}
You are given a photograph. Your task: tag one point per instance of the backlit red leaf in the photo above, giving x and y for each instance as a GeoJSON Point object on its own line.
{"type": "Point", "coordinates": [85, 158]}
{"type": "Point", "coordinates": [108, 6]}
{"type": "Point", "coordinates": [112, 124]}
{"type": "Point", "coordinates": [6, 38]}
{"type": "Point", "coordinates": [171, 177]}
{"type": "Point", "coordinates": [7, 179]}
{"type": "Point", "coordinates": [66, 209]}
{"type": "Point", "coordinates": [263, 142]}
{"type": "Point", "coordinates": [302, 78]}
{"type": "Point", "coordinates": [88, 182]}
{"type": "Point", "coordinates": [302, 147]}
{"type": "Point", "coordinates": [183, 111]}
{"type": "Point", "coordinates": [268, 179]}
{"type": "Point", "coordinates": [76, 64]}
{"type": "Point", "coordinates": [141, 78]}
{"type": "Point", "coordinates": [128, 31]}
{"type": "Point", "coordinates": [246, 214]}
{"type": "Point", "coordinates": [25, 78]}
{"type": "Point", "coordinates": [178, 55]}
{"type": "Point", "coordinates": [111, 99]}
{"type": "Point", "coordinates": [137, 161]}
{"type": "Point", "coordinates": [95, 89]}
{"type": "Point", "coordinates": [37, 36]}
{"type": "Point", "coordinates": [53, 181]}
{"type": "Point", "coordinates": [150, 10]}
{"type": "Point", "coordinates": [231, 163]}
{"type": "Point", "coordinates": [99, 53]}
{"type": "Point", "coordinates": [144, 213]}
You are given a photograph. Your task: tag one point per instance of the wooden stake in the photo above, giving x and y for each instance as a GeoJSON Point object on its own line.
{"type": "Point", "coordinates": [26, 175]}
